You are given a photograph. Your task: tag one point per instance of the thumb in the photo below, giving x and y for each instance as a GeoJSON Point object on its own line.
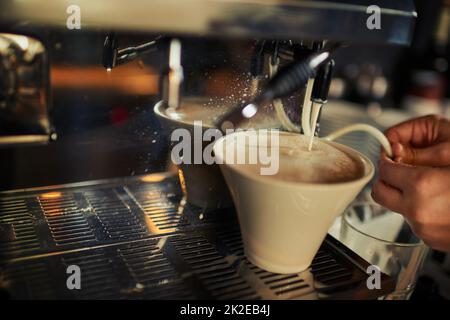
{"type": "Point", "coordinates": [437, 155]}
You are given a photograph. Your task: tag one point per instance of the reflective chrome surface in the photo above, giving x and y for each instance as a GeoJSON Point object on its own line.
{"type": "Point", "coordinates": [271, 19]}
{"type": "Point", "coordinates": [24, 87]}
{"type": "Point", "coordinates": [138, 239]}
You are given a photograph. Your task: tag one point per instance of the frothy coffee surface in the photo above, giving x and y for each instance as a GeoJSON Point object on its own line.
{"type": "Point", "coordinates": [323, 164]}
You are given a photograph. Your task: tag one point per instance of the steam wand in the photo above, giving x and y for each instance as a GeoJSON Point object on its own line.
{"type": "Point", "coordinates": [319, 97]}
{"type": "Point", "coordinates": [172, 76]}
{"type": "Point", "coordinates": [288, 80]}
{"type": "Point", "coordinates": [113, 56]}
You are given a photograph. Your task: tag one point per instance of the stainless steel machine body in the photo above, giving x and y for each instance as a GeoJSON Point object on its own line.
{"type": "Point", "coordinates": [137, 237]}
{"type": "Point", "coordinates": [342, 20]}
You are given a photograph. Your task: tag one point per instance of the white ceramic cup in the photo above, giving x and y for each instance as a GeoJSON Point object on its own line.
{"type": "Point", "coordinates": [283, 223]}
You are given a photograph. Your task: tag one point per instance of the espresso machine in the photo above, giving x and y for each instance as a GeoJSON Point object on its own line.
{"type": "Point", "coordinates": [138, 237]}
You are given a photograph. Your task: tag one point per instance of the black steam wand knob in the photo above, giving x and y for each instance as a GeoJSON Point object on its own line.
{"type": "Point", "coordinates": [322, 82]}
{"type": "Point", "coordinates": [110, 50]}
{"type": "Point", "coordinates": [319, 94]}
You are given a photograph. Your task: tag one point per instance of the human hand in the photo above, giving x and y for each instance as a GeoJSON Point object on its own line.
{"type": "Point", "coordinates": [423, 141]}
{"type": "Point", "coordinates": [417, 184]}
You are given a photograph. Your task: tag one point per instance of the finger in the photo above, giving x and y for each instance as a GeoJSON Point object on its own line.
{"type": "Point", "coordinates": [434, 237]}
{"type": "Point", "coordinates": [397, 149]}
{"type": "Point", "coordinates": [437, 155]}
{"type": "Point", "coordinates": [437, 239]}
{"type": "Point", "coordinates": [416, 132]}
{"type": "Point", "coordinates": [388, 196]}
{"type": "Point", "coordinates": [396, 174]}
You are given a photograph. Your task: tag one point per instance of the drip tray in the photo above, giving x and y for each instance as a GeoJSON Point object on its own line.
{"type": "Point", "coordinates": [139, 239]}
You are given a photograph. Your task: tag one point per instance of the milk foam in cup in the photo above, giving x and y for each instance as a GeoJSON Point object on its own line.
{"type": "Point", "coordinates": [284, 217]}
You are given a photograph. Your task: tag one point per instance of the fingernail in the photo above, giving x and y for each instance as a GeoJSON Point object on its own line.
{"type": "Point", "coordinates": [398, 148]}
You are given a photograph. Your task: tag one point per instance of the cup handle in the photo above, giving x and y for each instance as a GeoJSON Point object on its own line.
{"type": "Point", "coordinates": [377, 134]}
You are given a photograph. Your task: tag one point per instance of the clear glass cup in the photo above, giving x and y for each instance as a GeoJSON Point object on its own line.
{"type": "Point", "coordinates": [384, 239]}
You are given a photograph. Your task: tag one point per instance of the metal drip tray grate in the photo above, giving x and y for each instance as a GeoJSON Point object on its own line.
{"type": "Point", "coordinates": [133, 239]}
